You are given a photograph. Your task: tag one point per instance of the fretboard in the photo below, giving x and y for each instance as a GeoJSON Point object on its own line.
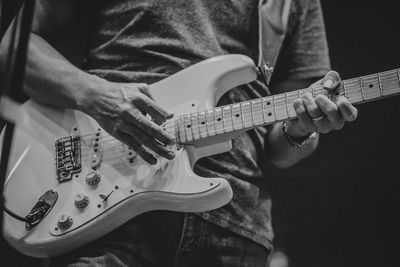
{"type": "Point", "coordinates": [267, 110]}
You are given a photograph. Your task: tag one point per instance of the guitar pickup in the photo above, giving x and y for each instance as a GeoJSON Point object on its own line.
{"type": "Point", "coordinates": [96, 151]}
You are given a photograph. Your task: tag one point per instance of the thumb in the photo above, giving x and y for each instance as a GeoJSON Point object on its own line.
{"type": "Point", "coordinates": [331, 80]}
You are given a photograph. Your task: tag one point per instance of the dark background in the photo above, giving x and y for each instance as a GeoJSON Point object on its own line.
{"type": "Point", "coordinates": [340, 207]}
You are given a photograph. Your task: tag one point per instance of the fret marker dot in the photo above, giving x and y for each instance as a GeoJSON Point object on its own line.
{"type": "Point", "coordinates": [371, 85]}
{"type": "Point", "coordinates": [203, 122]}
{"type": "Point", "coordinates": [268, 103]}
{"type": "Point", "coordinates": [237, 115]}
{"type": "Point", "coordinates": [188, 126]}
{"type": "Point", "coordinates": [270, 114]}
{"type": "Point", "coordinates": [219, 119]}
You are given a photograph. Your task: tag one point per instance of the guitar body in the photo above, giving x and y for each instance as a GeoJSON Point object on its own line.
{"type": "Point", "coordinates": [126, 185]}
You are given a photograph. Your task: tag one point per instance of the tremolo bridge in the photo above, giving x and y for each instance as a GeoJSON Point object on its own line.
{"type": "Point", "coordinates": [68, 157]}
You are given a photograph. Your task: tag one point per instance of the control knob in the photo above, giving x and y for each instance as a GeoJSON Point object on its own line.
{"type": "Point", "coordinates": [64, 221]}
{"type": "Point", "coordinates": [81, 201]}
{"type": "Point", "coordinates": [93, 178]}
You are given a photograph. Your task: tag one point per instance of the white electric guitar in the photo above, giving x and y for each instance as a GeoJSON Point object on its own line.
{"type": "Point", "coordinates": [73, 183]}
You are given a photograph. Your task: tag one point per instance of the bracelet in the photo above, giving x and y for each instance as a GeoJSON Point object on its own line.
{"type": "Point", "coordinates": [299, 142]}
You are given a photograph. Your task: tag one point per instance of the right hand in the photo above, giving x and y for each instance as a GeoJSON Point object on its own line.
{"type": "Point", "coordinates": [121, 109]}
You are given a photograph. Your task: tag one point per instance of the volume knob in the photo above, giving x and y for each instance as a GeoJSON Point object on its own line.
{"type": "Point", "coordinates": [64, 221]}
{"type": "Point", "coordinates": [81, 201]}
{"type": "Point", "coordinates": [93, 178]}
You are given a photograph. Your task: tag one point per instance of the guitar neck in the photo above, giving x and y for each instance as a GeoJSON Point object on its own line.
{"type": "Point", "coordinates": [267, 110]}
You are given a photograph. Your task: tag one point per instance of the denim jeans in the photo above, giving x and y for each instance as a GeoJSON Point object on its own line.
{"type": "Point", "coordinates": [163, 238]}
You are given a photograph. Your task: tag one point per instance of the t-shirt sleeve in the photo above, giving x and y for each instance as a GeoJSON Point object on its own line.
{"type": "Point", "coordinates": [304, 51]}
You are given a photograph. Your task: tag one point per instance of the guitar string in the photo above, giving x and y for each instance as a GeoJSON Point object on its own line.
{"type": "Point", "coordinates": [208, 132]}
{"type": "Point", "coordinates": [394, 86]}
{"type": "Point", "coordinates": [251, 111]}
{"type": "Point", "coordinates": [171, 125]}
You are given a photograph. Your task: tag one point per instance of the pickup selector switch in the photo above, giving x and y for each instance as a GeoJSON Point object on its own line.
{"type": "Point", "coordinates": [93, 178]}
{"type": "Point", "coordinates": [81, 201]}
{"type": "Point", "coordinates": [64, 221]}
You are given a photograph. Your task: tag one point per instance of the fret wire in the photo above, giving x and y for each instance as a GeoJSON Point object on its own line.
{"type": "Point", "coordinates": [398, 76]}
{"type": "Point", "coordinates": [273, 105]}
{"type": "Point", "coordinates": [362, 88]}
{"type": "Point", "coordinates": [191, 127]}
{"type": "Point", "coordinates": [380, 84]}
{"type": "Point", "coordinates": [287, 107]}
{"type": "Point", "coordinates": [196, 124]}
{"type": "Point", "coordinates": [262, 110]}
{"type": "Point", "coordinates": [213, 121]}
{"type": "Point", "coordinates": [242, 114]}
{"type": "Point", "coordinates": [201, 125]}
{"type": "Point", "coordinates": [205, 120]}
{"type": "Point", "coordinates": [177, 132]}
{"type": "Point", "coordinates": [187, 129]}
{"type": "Point", "coordinates": [182, 131]}
{"type": "Point", "coordinates": [228, 108]}
{"type": "Point", "coordinates": [344, 89]}
{"type": "Point", "coordinates": [252, 112]}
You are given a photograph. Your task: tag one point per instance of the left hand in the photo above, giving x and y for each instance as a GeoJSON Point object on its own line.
{"type": "Point", "coordinates": [320, 114]}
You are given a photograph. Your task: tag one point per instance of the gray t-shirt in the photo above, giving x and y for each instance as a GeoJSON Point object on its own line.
{"type": "Point", "coordinates": [148, 40]}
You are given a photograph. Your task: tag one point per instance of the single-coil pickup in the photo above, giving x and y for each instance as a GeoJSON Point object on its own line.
{"type": "Point", "coordinates": [96, 150]}
{"type": "Point", "coordinates": [68, 157]}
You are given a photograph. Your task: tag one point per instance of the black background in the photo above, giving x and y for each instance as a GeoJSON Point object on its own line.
{"type": "Point", "coordinates": [340, 207]}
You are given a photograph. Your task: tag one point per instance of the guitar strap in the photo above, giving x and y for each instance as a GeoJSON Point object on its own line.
{"type": "Point", "coordinates": [273, 20]}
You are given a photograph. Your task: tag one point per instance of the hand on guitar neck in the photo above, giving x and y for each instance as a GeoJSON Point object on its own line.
{"type": "Point", "coordinates": [321, 113]}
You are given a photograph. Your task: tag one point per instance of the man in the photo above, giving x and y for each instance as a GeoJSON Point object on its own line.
{"type": "Point", "coordinates": [135, 43]}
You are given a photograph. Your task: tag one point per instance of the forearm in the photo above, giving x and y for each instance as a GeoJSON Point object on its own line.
{"type": "Point", "coordinates": [281, 153]}
{"type": "Point", "coordinates": [50, 78]}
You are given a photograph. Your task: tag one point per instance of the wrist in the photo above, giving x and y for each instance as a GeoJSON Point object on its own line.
{"type": "Point", "coordinates": [90, 91]}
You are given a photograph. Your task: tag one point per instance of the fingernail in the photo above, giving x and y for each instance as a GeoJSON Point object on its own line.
{"type": "Point", "coordinates": [328, 83]}
{"type": "Point", "coordinates": [153, 161]}
{"type": "Point", "coordinates": [171, 155]}
{"type": "Point", "coordinates": [299, 108]}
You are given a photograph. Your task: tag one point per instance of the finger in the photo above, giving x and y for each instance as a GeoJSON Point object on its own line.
{"type": "Point", "coordinates": [147, 141]}
{"type": "Point", "coordinates": [303, 119]}
{"type": "Point", "coordinates": [331, 80]}
{"type": "Point", "coordinates": [137, 147]}
{"type": "Point", "coordinates": [313, 110]}
{"type": "Point", "coordinates": [331, 112]}
{"type": "Point", "coordinates": [348, 111]}
{"type": "Point", "coordinates": [311, 106]}
{"type": "Point", "coordinates": [157, 113]}
{"type": "Point", "coordinates": [145, 89]}
{"type": "Point", "coordinates": [150, 128]}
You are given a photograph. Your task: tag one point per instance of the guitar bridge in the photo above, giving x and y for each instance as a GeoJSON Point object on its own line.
{"type": "Point", "coordinates": [68, 157]}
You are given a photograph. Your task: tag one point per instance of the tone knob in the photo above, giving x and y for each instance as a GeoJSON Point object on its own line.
{"type": "Point", "coordinates": [81, 201]}
{"type": "Point", "coordinates": [64, 221]}
{"type": "Point", "coordinates": [93, 178]}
